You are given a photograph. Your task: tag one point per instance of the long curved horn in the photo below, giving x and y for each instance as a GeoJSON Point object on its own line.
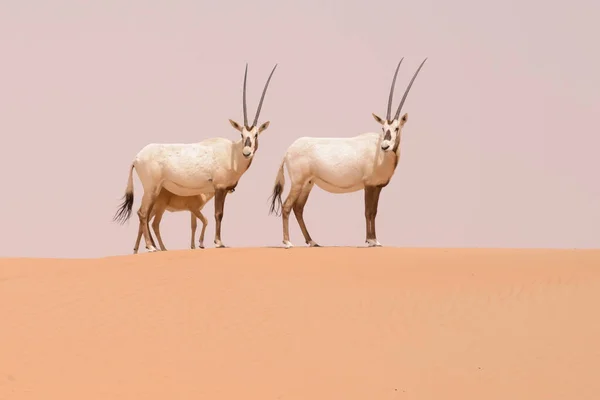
{"type": "Point", "coordinates": [244, 101]}
{"type": "Point", "coordinates": [407, 89]}
{"type": "Point", "coordinates": [389, 109]}
{"type": "Point", "coordinates": [262, 97]}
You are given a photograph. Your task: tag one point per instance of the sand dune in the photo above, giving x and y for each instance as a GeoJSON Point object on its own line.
{"type": "Point", "coordinates": [328, 323]}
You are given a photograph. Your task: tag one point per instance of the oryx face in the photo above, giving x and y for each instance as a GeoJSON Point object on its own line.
{"type": "Point", "coordinates": [391, 132]}
{"type": "Point", "coordinates": [249, 132]}
{"type": "Point", "coordinates": [391, 128]}
{"type": "Point", "coordinates": [249, 137]}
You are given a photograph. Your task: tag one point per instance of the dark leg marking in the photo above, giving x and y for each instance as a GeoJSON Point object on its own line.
{"type": "Point", "coordinates": [371, 204]}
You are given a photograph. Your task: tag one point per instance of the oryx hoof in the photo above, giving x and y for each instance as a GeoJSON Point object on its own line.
{"type": "Point", "coordinates": [151, 249]}
{"type": "Point", "coordinates": [312, 243]}
{"type": "Point", "coordinates": [201, 245]}
{"type": "Point", "coordinates": [373, 243]}
{"type": "Point", "coordinates": [219, 244]}
{"type": "Point", "coordinates": [288, 244]}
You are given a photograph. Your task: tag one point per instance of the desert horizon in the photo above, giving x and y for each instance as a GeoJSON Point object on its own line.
{"type": "Point", "coordinates": [303, 246]}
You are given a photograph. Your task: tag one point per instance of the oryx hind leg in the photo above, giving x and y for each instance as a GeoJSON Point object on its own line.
{"type": "Point", "coordinates": [298, 207]}
{"type": "Point", "coordinates": [139, 238]}
{"type": "Point", "coordinates": [144, 213]}
{"type": "Point", "coordinates": [150, 218]}
{"type": "Point", "coordinates": [156, 227]}
{"type": "Point", "coordinates": [288, 205]}
{"type": "Point", "coordinates": [198, 214]}
{"type": "Point", "coordinates": [194, 226]}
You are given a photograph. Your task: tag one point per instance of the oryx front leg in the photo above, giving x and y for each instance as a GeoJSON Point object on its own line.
{"type": "Point", "coordinates": [156, 228]}
{"type": "Point", "coordinates": [371, 203]}
{"type": "Point", "coordinates": [220, 195]}
{"type": "Point", "coordinates": [285, 213]}
{"type": "Point", "coordinates": [299, 213]}
{"type": "Point", "coordinates": [144, 213]}
{"type": "Point", "coordinates": [198, 214]}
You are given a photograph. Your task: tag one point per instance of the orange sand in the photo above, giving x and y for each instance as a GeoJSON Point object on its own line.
{"type": "Point", "coordinates": [311, 324]}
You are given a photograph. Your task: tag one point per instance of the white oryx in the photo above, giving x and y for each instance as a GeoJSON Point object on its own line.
{"type": "Point", "coordinates": [212, 166]}
{"type": "Point", "coordinates": [342, 165]}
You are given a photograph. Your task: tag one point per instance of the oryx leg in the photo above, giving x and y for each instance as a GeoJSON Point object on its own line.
{"type": "Point", "coordinates": [371, 203]}
{"type": "Point", "coordinates": [151, 216]}
{"type": "Point", "coordinates": [144, 214]}
{"type": "Point", "coordinates": [198, 214]}
{"type": "Point", "coordinates": [299, 213]}
{"type": "Point", "coordinates": [139, 238]}
{"type": "Point", "coordinates": [291, 199]}
{"type": "Point", "coordinates": [194, 226]}
{"type": "Point", "coordinates": [156, 228]}
{"type": "Point", "coordinates": [220, 195]}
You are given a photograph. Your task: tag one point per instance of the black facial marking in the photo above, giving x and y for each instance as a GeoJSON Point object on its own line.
{"type": "Point", "coordinates": [388, 135]}
{"type": "Point", "coordinates": [248, 142]}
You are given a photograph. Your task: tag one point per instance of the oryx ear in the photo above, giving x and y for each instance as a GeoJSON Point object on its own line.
{"type": "Point", "coordinates": [377, 119]}
{"type": "Point", "coordinates": [235, 125]}
{"type": "Point", "coordinates": [263, 126]}
{"type": "Point", "coordinates": [403, 119]}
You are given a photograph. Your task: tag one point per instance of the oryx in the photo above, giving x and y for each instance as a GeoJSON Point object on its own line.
{"type": "Point", "coordinates": [212, 166]}
{"type": "Point", "coordinates": [342, 165]}
{"type": "Point", "coordinates": [167, 201]}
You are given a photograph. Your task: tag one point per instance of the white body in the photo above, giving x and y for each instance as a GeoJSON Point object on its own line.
{"type": "Point", "coordinates": [341, 165]}
{"type": "Point", "coordinates": [191, 169]}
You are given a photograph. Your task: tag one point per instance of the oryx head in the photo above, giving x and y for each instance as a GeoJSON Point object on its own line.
{"type": "Point", "coordinates": [250, 132]}
{"type": "Point", "coordinates": [392, 127]}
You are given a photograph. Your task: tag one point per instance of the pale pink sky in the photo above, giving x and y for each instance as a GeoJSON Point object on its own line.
{"type": "Point", "coordinates": [500, 149]}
